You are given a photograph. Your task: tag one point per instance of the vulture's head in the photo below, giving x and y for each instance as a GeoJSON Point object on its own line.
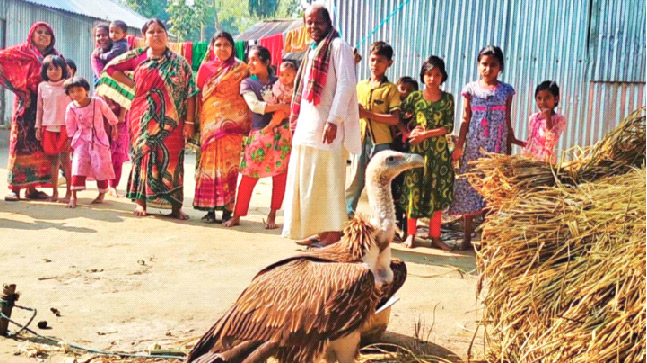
{"type": "Point", "coordinates": [386, 165]}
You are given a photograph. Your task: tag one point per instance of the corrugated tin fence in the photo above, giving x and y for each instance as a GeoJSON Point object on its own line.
{"type": "Point", "coordinates": [73, 37]}
{"type": "Point", "coordinates": [594, 50]}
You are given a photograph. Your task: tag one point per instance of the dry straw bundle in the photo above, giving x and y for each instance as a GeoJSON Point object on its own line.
{"type": "Point", "coordinates": [565, 262]}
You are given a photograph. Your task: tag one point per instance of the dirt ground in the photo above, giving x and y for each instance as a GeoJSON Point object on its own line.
{"type": "Point", "coordinates": [125, 283]}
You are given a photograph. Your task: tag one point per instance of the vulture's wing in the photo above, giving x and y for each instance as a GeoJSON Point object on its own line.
{"type": "Point", "coordinates": [399, 269]}
{"type": "Point", "coordinates": [294, 308]}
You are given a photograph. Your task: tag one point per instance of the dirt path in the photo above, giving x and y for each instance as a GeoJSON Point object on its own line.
{"type": "Point", "coordinates": [122, 282]}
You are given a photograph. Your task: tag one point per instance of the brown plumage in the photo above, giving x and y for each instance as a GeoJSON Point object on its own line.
{"type": "Point", "coordinates": [295, 307]}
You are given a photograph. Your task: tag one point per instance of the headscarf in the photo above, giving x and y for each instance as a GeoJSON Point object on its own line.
{"type": "Point", "coordinates": [21, 64]}
{"type": "Point", "coordinates": [50, 48]}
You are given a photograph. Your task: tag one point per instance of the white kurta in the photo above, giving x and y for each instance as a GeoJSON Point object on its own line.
{"type": "Point", "coordinates": [314, 193]}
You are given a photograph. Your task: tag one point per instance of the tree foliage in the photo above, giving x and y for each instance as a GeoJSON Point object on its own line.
{"type": "Point", "coordinates": [194, 20]}
{"type": "Point", "coordinates": [149, 8]}
{"type": "Point", "coordinates": [189, 21]}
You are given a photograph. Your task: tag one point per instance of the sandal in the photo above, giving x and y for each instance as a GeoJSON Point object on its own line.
{"type": "Point", "coordinates": [226, 215]}
{"type": "Point", "coordinates": [210, 218]}
{"type": "Point", "coordinates": [38, 195]}
{"type": "Point", "coordinates": [12, 197]}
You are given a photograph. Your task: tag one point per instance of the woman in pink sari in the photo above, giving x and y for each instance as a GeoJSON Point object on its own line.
{"type": "Point", "coordinates": [20, 73]}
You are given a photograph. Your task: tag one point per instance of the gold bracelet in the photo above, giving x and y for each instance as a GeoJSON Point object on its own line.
{"type": "Point", "coordinates": [189, 123]}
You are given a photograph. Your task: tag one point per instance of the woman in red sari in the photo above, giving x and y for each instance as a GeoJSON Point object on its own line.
{"type": "Point", "coordinates": [20, 73]}
{"type": "Point", "coordinates": [161, 118]}
{"type": "Point", "coordinates": [224, 120]}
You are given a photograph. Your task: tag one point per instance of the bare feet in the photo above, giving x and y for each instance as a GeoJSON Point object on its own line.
{"type": "Point", "coordinates": [99, 199]}
{"type": "Point", "coordinates": [66, 199]}
{"type": "Point", "coordinates": [178, 214]}
{"type": "Point", "coordinates": [114, 193]}
{"type": "Point", "coordinates": [53, 198]}
{"type": "Point", "coordinates": [140, 209]}
{"type": "Point", "coordinates": [436, 241]}
{"type": "Point", "coordinates": [328, 238]}
{"type": "Point", "coordinates": [72, 203]}
{"type": "Point", "coordinates": [233, 221]}
{"type": "Point", "coordinates": [271, 220]}
{"type": "Point", "coordinates": [467, 243]}
{"type": "Point", "coordinates": [308, 240]}
{"type": "Point", "coordinates": [410, 242]}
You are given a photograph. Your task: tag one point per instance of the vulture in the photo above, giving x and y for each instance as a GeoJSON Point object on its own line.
{"type": "Point", "coordinates": [314, 305]}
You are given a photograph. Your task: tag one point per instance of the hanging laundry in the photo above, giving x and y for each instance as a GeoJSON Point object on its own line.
{"type": "Point", "coordinates": [135, 42]}
{"type": "Point", "coordinates": [187, 51]}
{"type": "Point", "coordinates": [274, 43]}
{"type": "Point", "coordinates": [296, 40]}
{"type": "Point", "coordinates": [199, 50]}
{"type": "Point", "coordinates": [240, 50]}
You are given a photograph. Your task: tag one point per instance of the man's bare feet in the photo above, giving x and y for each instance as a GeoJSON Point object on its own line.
{"type": "Point", "coordinates": [72, 203]}
{"type": "Point", "coordinates": [113, 192]}
{"type": "Point", "coordinates": [99, 199]}
{"type": "Point", "coordinates": [328, 238]}
{"type": "Point", "coordinates": [436, 241]}
{"type": "Point", "coordinates": [233, 221]}
{"type": "Point", "coordinates": [308, 240]}
{"type": "Point", "coordinates": [53, 198]}
{"type": "Point", "coordinates": [140, 209]}
{"type": "Point", "coordinates": [410, 242]}
{"type": "Point", "coordinates": [271, 220]}
{"type": "Point", "coordinates": [178, 214]}
{"type": "Point", "coordinates": [65, 199]}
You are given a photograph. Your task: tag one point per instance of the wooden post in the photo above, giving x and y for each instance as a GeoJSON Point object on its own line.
{"type": "Point", "coordinates": [8, 295]}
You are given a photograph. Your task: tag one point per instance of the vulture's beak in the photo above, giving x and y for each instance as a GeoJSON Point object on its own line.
{"type": "Point", "coordinates": [414, 161]}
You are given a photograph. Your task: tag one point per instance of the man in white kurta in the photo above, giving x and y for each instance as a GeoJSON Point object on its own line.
{"type": "Point", "coordinates": [324, 134]}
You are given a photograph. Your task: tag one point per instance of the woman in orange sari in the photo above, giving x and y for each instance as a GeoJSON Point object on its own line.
{"type": "Point", "coordinates": [224, 120]}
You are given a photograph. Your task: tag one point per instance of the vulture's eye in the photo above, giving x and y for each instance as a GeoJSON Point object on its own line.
{"type": "Point", "coordinates": [390, 159]}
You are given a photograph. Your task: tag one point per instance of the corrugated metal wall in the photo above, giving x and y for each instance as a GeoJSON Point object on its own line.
{"type": "Point", "coordinates": [594, 50]}
{"type": "Point", "coordinates": [73, 37]}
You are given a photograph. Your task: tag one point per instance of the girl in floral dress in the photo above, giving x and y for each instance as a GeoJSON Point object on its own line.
{"type": "Point", "coordinates": [486, 126]}
{"type": "Point", "coordinates": [268, 146]}
{"type": "Point", "coordinates": [545, 126]}
{"type": "Point", "coordinates": [428, 191]}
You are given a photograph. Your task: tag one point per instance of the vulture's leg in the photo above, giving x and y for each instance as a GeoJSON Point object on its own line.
{"type": "Point", "coordinates": [261, 353]}
{"type": "Point", "coordinates": [346, 347]}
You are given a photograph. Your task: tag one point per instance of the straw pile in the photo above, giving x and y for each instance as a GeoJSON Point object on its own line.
{"type": "Point", "coordinates": [563, 253]}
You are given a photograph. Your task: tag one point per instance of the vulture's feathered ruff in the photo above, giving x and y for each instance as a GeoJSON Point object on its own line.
{"type": "Point", "coordinates": [296, 306]}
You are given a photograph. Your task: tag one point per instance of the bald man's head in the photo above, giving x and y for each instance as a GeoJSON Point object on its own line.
{"type": "Point", "coordinates": [318, 22]}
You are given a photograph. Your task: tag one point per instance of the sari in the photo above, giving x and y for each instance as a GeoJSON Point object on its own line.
{"type": "Point", "coordinates": [157, 114]}
{"type": "Point", "coordinates": [224, 120]}
{"type": "Point", "coordinates": [20, 73]}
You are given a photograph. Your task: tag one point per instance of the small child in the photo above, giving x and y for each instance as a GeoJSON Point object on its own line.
{"type": "Point", "coordinates": [117, 33]}
{"type": "Point", "coordinates": [282, 91]}
{"type": "Point", "coordinates": [406, 85]}
{"type": "Point", "coordinates": [50, 121]}
{"type": "Point", "coordinates": [486, 125]}
{"type": "Point", "coordinates": [545, 126]}
{"type": "Point", "coordinates": [428, 191]}
{"type": "Point", "coordinates": [379, 109]}
{"type": "Point", "coordinates": [84, 124]}
{"type": "Point", "coordinates": [71, 68]}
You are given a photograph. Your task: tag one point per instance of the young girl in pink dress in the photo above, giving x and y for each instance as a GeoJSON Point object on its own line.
{"type": "Point", "coordinates": [84, 125]}
{"type": "Point", "coordinates": [546, 126]}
